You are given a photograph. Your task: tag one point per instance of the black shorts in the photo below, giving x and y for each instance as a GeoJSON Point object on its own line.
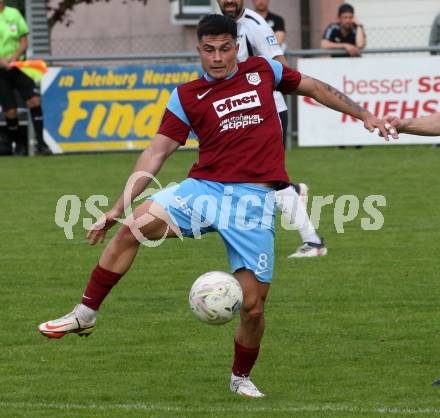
{"type": "Point", "coordinates": [15, 79]}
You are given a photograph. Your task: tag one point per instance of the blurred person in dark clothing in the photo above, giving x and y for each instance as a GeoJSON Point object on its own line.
{"type": "Point", "coordinates": [347, 33]}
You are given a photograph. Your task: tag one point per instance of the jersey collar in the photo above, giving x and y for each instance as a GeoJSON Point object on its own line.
{"type": "Point", "coordinates": [210, 79]}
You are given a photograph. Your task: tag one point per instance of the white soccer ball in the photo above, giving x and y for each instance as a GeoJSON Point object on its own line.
{"type": "Point", "coordinates": [215, 297]}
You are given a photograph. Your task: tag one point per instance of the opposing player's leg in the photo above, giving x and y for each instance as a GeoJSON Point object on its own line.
{"type": "Point", "coordinates": [149, 222]}
{"type": "Point", "coordinates": [248, 334]}
{"type": "Point", "coordinates": [293, 207]}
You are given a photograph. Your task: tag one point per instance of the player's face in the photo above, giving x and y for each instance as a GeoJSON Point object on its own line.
{"type": "Point", "coordinates": [261, 5]}
{"type": "Point", "coordinates": [346, 20]}
{"type": "Point", "coordinates": [231, 8]}
{"type": "Point", "coordinates": [218, 54]}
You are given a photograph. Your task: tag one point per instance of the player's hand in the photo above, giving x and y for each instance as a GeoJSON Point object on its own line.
{"type": "Point", "coordinates": [4, 63]}
{"type": "Point", "coordinates": [394, 125]}
{"type": "Point", "coordinates": [371, 123]}
{"type": "Point", "coordinates": [352, 50]}
{"type": "Point", "coordinates": [99, 229]}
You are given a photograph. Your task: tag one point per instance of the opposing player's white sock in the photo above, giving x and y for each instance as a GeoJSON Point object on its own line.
{"type": "Point", "coordinates": [85, 313]}
{"type": "Point", "coordinates": [295, 213]}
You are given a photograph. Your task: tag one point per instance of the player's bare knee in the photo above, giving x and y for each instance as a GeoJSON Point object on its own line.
{"type": "Point", "coordinates": [249, 303]}
{"type": "Point", "coordinates": [255, 315]}
{"type": "Point", "coordinates": [253, 308]}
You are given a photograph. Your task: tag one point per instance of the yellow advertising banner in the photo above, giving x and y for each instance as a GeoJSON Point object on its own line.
{"type": "Point", "coordinates": [109, 108]}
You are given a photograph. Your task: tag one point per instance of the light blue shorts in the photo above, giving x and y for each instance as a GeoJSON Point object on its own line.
{"type": "Point", "coordinates": [242, 213]}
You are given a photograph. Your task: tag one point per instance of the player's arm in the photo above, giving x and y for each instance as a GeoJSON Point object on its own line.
{"type": "Point", "coordinates": [425, 126]}
{"type": "Point", "coordinates": [334, 99]}
{"type": "Point", "coordinates": [352, 50]}
{"type": "Point", "coordinates": [22, 31]}
{"type": "Point", "coordinates": [173, 131]}
{"type": "Point", "coordinates": [21, 49]}
{"type": "Point", "coordinates": [361, 39]}
{"type": "Point", "coordinates": [280, 30]}
{"type": "Point", "coordinates": [149, 162]}
{"type": "Point", "coordinates": [281, 36]}
{"type": "Point", "coordinates": [4, 63]}
{"type": "Point", "coordinates": [326, 44]}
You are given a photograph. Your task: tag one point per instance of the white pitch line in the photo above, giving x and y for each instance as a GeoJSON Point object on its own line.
{"type": "Point", "coordinates": [245, 408]}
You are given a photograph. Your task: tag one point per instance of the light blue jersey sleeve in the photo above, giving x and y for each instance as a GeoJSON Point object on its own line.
{"type": "Point", "coordinates": [277, 69]}
{"type": "Point", "coordinates": [175, 107]}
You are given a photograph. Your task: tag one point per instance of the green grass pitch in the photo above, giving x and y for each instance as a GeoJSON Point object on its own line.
{"type": "Point", "coordinates": [352, 334]}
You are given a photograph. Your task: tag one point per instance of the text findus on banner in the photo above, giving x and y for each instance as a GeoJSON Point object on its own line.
{"type": "Point", "coordinates": [104, 108]}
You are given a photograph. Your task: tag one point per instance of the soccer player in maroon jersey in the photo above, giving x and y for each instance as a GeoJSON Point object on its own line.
{"type": "Point", "coordinates": [256, 38]}
{"type": "Point", "coordinates": [230, 189]}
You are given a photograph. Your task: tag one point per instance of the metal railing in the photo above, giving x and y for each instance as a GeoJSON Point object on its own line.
{"type": "Point", "coordinates": [291, 55]}
{"type": "Point", "coordinates": [191, 56]}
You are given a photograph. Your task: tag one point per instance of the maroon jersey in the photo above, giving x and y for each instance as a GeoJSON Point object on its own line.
{"type": "Point", "coordinates": [236, 121]}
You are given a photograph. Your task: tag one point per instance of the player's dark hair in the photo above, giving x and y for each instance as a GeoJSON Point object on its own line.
{"type": "Point", "coordinates": [345, 8]}
{"type": "Point", "coordinates": [216, 24]}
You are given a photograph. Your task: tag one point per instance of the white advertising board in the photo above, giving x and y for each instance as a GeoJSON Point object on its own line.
{"type": "Point", "coordinates": [406, 87]}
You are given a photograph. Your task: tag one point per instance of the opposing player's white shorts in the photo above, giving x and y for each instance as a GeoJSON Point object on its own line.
{"type": "Point", "coordinates": [242, 213]}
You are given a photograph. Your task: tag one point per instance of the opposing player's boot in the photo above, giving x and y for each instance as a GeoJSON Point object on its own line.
{"type": "Point", "coordinates": [310, 249]}
{"type": "Point", "coordinates": [71, 323]}
{"type": "Point", "coordinates": [244, 387]}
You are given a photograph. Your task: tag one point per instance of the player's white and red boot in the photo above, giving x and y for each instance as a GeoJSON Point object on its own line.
{"type": "Point", "coordinates": [79, 321]}
{"type": "Point", "coordinates": [310, 249]}
{"type": "Point", "coordinates": [244, 387]}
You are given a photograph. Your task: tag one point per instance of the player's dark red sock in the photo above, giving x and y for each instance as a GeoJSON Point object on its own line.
{"type": "Point", "coordinates": [244, 360]}
{"type": "Point", "coordinates": [100, 284]}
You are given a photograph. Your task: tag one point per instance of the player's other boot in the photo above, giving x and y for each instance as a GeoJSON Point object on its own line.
{"type": "Point", "coordinates": [310, 249]}
{"type": "Point", "coordinates": [67, 324]}
{"type": "Point", "coordinates": [244, 387]}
